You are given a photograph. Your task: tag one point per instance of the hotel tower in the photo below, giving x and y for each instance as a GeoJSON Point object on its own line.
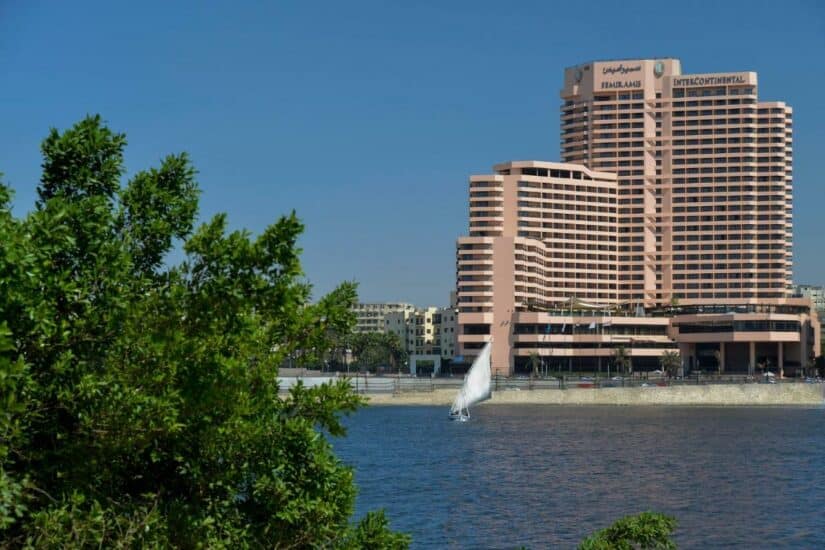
{"type": "Point", "coordinates": [704, 172]}
{"type": "Point", "coordinates": [667, 225]}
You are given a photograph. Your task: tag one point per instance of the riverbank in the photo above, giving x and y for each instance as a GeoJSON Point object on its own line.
{"type": "Point", "coordinates": [703, 395]}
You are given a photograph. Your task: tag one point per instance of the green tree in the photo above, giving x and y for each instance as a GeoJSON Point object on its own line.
{"type": "Point", "coordinates": [674, 304]}
{"type": "Point", "coordinates": [395, 349]}
{"type": "Point", "coordinates": [374, 350]}
{"type": "Point", "coordinates": [647, 531]}
{"type": "Point", "coordinates": [140, 402]}
{"type": "Point", "coordinates": [535, 363]}
{"type": "Point", "coordinates": [366, 350]}
{"type": "Point", "coordinates": [621, 358]}
{"type": "Point", "coordinates": [764, 366]}
{"type": "Point", "coordinates": [717, 354]}
{"type": "Point", "coordinates": [670, 362]}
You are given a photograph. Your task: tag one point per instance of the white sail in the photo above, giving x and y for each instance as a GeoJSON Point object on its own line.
{"type": "Point", "coordinates": [476, 385]}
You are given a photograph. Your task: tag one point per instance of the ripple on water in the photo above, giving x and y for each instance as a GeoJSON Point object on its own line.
{"type": "Point", "coordinates": [546, 476]}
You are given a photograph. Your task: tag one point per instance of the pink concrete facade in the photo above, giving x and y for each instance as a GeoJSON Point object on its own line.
{"type": "Point", "coordinates": [667, 228]}
{"type": "Point", "coordinates": [767, 334]}
{"type": "Point", "coordinates": [540, 233]}
{"type": "Point", "coordinates": [705, 177]}
{"type": "Point", "coordinates": [561, 220]}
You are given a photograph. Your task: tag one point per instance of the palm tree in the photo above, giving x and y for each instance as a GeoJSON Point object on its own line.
{"type": "Point", "coordinates": [717, 354]}
{"type": "Point", "coordinates": [674, 303]}
{"type": "Point", "coordinates": [396, 354]}
{"type": "Point", "coordinates": [338, 353]}
{"type": "Point", "coordinates": [670, 362]}
{"type": "Point", "coordinates": [535, 361]}
{"type": "Point", "coordinates": [622, 359]}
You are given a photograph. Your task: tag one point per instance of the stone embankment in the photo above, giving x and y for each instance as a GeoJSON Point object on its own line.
{"type": "Point", "coordinates": [795, 394]}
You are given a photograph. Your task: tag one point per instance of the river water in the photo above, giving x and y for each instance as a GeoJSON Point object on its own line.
{"type": "Point", "coordinates": [547, 476]}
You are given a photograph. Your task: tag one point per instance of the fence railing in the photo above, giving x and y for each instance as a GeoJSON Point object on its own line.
{"type": "Point", "coordinates": [407, 384]}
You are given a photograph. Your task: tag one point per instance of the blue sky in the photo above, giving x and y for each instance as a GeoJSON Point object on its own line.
{"type": "Point", "coordinates": [368, 117]}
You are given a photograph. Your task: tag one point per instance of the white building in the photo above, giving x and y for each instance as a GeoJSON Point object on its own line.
{"type": "Point", "coordinates": [370, 317]}
{"type": "Point", "coordinates": [425, 331]}
{"type": "Point", "coordinates": [815, 293]}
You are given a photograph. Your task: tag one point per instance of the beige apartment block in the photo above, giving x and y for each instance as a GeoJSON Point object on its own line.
{"type": "Point", "coordinates": [704, 171]}
{"type": "Point", "coordinates": [445, 328]}
{"type": "Point", "coordinates": [402, 324]}
{"type": "Point", "coordinates": [425, 331]}
{"type": "Point", "coordinates": [415, 329]}
{"type": "Point", "coordinates": [370, 317]}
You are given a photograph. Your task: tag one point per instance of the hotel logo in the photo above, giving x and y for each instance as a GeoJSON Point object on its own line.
{"type": "Point", "coordinates": [658, 69]}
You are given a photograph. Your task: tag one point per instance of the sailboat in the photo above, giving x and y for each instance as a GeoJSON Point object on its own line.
{"type": "Point", "coordinates": [476, 387]}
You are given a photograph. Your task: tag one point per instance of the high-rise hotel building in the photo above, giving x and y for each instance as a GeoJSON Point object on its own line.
{"type": "Point", "coordinates": [541, 235]}
{"type": "Point", "coordinates": [705, 177]}
{"type": "Point", "coordinates": [667, 225]}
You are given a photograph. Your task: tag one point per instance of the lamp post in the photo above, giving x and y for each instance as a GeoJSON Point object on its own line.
{"type": "Point", "coordinates": [572, 338]}
{"type": "Point", "coordinates": [601, 337]}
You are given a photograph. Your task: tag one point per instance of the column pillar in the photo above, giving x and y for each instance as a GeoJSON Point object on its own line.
{"type": "Point", "coordinates": [780, 359]}
{"type": "Point", "coordinates": [684, 355]}
{"type": "Point", "coordinates": [721, 357]}
{"type": "Point", "coordinates": [751, 358]}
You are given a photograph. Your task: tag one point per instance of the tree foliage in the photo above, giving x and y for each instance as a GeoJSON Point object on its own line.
{"type": "Point", "coordinates": [373, 350]}
{"type": "Point", "coordinates": [621, 359]}
{"type": "Point", "coordinates": [645, 531]}
{"type": "Point", "coordinates": [535, 363]}
{"type": "Point", "coordinates": [139, 402]}
{"type": "Point", "coordinates": [670, 362]}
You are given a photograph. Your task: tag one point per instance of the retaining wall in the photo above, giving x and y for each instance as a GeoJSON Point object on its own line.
{"type": "Point", "coordinates": [702, 395]}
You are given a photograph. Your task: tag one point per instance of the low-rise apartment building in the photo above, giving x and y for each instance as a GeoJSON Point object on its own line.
{"type": "Point", "coordinates": [815, 293]}
{"type": "Point", "coordinates": [425, 331]}
{"type": "Point", "coordinates": [369, 317]}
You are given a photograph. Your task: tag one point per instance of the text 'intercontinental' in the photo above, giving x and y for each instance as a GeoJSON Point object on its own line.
{"type": "Point", "coordinates": [708, 80]}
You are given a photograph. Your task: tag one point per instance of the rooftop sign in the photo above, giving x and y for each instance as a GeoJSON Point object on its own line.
{"type": "Point", "coordinates": [618, 76]}
{"type": "Point", "coordinates": [709, 80]}
{"type": "Point", "coordinates": [621, 69]}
